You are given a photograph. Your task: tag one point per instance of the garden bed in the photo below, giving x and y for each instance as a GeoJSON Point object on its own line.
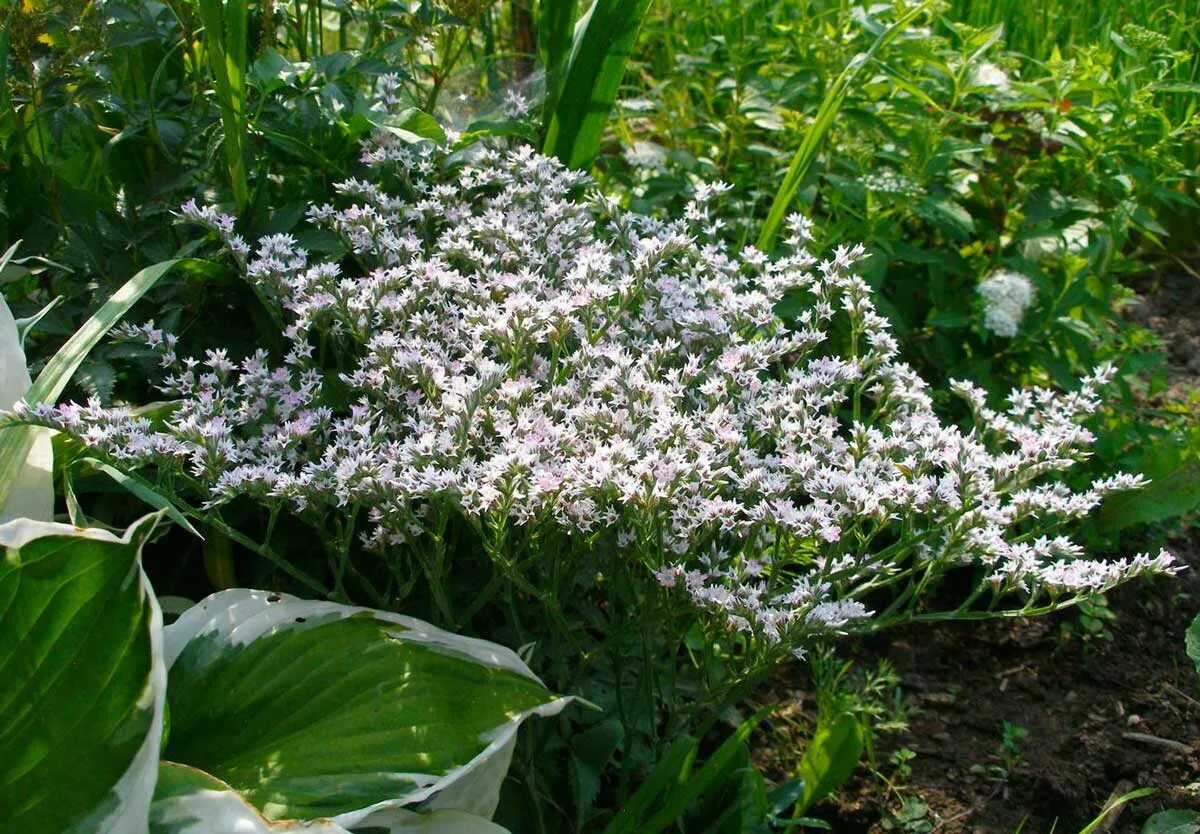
{"type": "Point", "coordinates": [1102, 715]}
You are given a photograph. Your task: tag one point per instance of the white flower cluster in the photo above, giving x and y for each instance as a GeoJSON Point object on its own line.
{"type": "Point", "coordinates": [1006, 296]}
{"type": "Point", "coordinates": [520, 354]}
{"type": "Point", "coordinates": [889, 181]}
{"type": "Point", "coordinates": [987, 74]}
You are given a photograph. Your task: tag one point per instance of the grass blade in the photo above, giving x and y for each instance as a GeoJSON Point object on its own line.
{"type": "Point", "coordinates": [225, 39]}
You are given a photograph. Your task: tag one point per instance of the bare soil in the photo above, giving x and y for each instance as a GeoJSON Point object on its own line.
{"type": "Point", "coordinates": [1102, 716]}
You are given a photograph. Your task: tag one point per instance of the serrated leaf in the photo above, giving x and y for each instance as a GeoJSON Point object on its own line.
{"type": "Point", "coordinates": [317, 710]}
{"type": "Point", "coordinates": [82, 680]}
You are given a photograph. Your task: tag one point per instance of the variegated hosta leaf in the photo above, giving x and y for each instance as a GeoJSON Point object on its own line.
{"type": "Point", "coordinates": [190, 801]}
{"type": "Point", "coordinates": [32, 494]}
{"type": "Point", "coordinates": [82, 680]}
{"type": "Point", "coordinates": [316, 710]}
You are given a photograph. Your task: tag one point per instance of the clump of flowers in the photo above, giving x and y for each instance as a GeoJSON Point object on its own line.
{"type": "Point", "coordinates": [506, 350]}
{"type": "Point", "coordinates": [987, 74]}
{"type": "Point", "coordinates": [1006, 296]}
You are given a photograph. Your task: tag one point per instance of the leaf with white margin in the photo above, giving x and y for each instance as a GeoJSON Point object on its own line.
{"type": "Point", "coordinates": [315, 710]}
{"type": "Point", "coordinates": [32, 494]}
{"type": "Point", "coordinates": [190, 801]}
{"type": "Point", "coordinates": [82, 680]}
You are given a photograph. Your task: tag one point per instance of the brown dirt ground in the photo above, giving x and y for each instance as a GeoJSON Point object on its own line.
{"type": "Point", "coordinates": [1103, 715]}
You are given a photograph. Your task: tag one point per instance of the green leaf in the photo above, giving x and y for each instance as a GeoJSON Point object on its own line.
{"type": "Point", "coordinates": [556, 19]}
{"type": "Point", "coordinates": [82, 680]}
{"type": "Point", "coordinates": [30, 493]}
{"type": "Point", "coordinates": [189, 801]}
{"type": "Point", "coordinates": [829, 759]}
{"type": "Point", "coordinates": [590, 751]}
{"type": "Point", "coordinates": [317, 710]}
{"type": "Point", "coordinates": [411, 125]}
{"type": "Point", "coordinates": [675, 788]}
{"type": "Point", "coordinates": [144, 491]}
{"type": "Point", "coordinates": [16, 442]}
{"type": "Point", "coordinates": [1173, 822]}
{"type": "Point", "coordinates": [1166, 497]}
{"type": "Point", "coordinates": [1113, 804]}
{"type": "Point", "coordinates": [604, 38]}
{"type": "Point", "coordinates": [945, 214]}
{"type": "Point", "coordinates": [225, 37]}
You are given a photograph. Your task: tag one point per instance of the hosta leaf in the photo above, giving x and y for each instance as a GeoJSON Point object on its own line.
{"type": "Point", "coordinates": [82, 680]}
{"type": "Point", "coordinates": [32, 493]}
{"type": "Point", "coordinates": [318, 710]}
{"type": "Point", "coordinates": [189, 801]}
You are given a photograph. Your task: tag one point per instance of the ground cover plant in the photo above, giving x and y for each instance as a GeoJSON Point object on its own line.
{"type": "Point", "coordinates": [584, 365]}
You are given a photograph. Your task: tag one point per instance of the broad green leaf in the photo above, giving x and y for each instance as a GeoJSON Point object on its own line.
{"type": "Point", "coordinates": [16, 442]}
{"type": "Point", "coordinates": [829, 759]}
{"type": "Point", "coordinates": [604, 37]}
{"type": "Point", "coordinates": [31, 493]}
{"type": "Point", "coordinates": [82, 680]}
{"type": "Point", "coordinates": [317, 710]}
{"type": "Point", "coordinates": [1173, 822]}
{"type": "Point", "coordinates": [1192, 640]}
{"type": "Point", "coordinates": [556, 20]}
{"type": "Point", "coordinates": [1166, 497]}
{"type": "Point", "coordinates": [189, 801]}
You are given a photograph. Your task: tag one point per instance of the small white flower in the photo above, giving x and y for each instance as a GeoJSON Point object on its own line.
{"type": "Point", "coordinates": [987, 74]}
{"type": "Point", "coordinates": [1006, 296]}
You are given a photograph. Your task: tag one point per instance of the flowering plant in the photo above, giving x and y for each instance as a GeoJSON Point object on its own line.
{"type": "Point", "coordinates": [517, 357]}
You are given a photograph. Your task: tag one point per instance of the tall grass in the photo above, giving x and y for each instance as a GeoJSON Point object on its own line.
{"type": "Point", "coordinates": [1036, 27]}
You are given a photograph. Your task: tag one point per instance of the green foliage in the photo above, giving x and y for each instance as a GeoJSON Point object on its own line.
{"type": "Point", "coordinates": [225, 39]}
{"type": "Point", "coordinates": [833, 101]}
{"type": "Point", "coordinates": [281, 709]}
{"type": "Point", "coordinates": [1112, 805]}
{"type": "Point", "coordinates": [829, 758]}
{"type": "Point", "coordinates": [1192, 641]}
{"type": "Point", "coordinates": [16, 442]}
{"type": "Point", "coordinates": [591, 77]}
{"type": "Point", "coordinates": [674, 786]}
{"type": "Point", "coordinates": [1173, 822]}
{"type": "Point", "coordinates": [79, 617]}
